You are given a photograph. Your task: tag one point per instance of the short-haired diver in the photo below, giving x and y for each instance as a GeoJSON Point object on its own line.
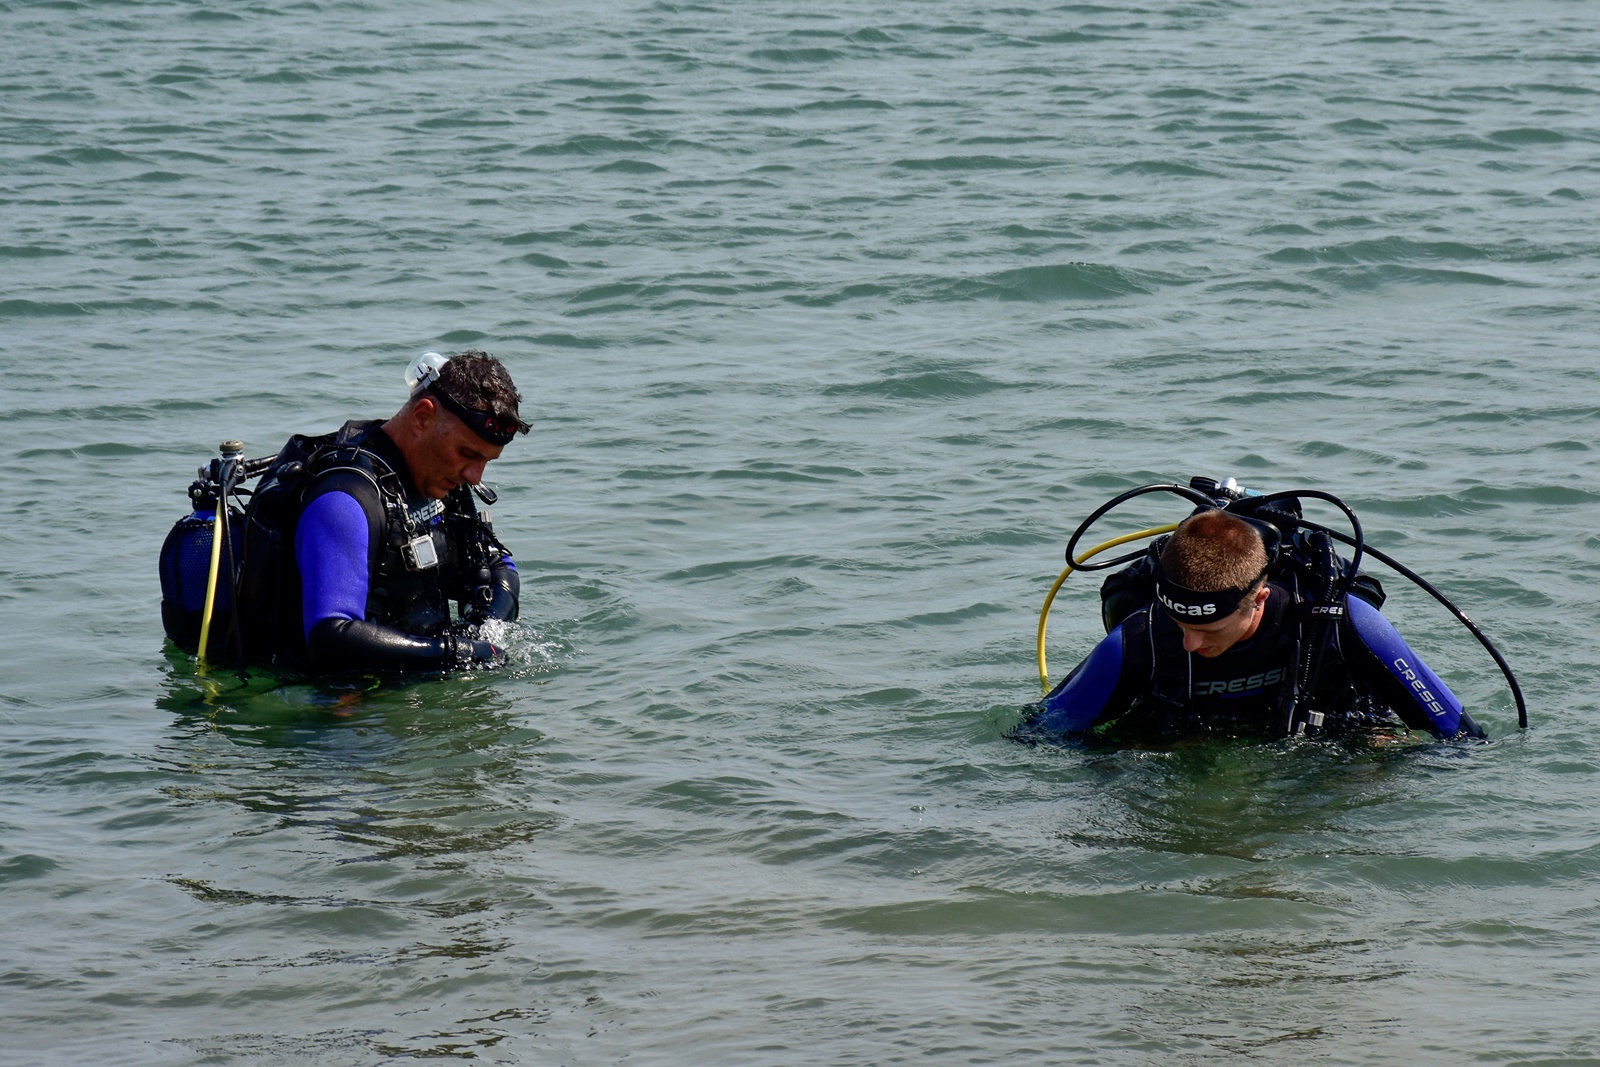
{"type": "Point", "coordinates": [1244, 622]}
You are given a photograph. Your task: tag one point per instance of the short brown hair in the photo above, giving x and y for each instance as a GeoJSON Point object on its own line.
{"type": "Point", "coordinates": [1212, 551]}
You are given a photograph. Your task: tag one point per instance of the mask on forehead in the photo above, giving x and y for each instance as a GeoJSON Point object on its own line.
{"type": "Point", "coordinates": [1197, 606]}
{"type": "Point", "coordinates": [1191, 605]}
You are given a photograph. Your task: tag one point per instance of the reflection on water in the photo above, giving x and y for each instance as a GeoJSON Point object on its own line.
{"type": "Point", "coordinates": [359, 827]}
{"type": "Point", "coordinates": [1239, 799]}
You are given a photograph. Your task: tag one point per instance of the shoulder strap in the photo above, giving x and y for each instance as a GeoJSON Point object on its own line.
{"type": "Point", "coordinates": [1171, 676]}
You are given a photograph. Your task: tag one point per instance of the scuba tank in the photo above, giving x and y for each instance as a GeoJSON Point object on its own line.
{"type": "Point", "coordinates": [185, 565]}
{"type": "Point", "coordinates": [195, 591]}
{"type": "Point", "coordinates": [201, 557]}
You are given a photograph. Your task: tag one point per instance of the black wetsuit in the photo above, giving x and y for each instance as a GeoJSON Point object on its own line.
{"type": "Point", "coordinates": [378, 565]}
{"type": "Point", "coordinates": [1139, 681]}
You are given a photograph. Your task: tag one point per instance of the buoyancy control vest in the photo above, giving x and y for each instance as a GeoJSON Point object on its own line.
{"type": "Point", "coordinates": [1303, 632]}
{"type": "Point", "coordinates": [420, 569]}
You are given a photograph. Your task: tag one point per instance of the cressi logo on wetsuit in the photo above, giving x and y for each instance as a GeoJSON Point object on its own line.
{"type": "Point", "coordinates": [1244, 685]}
{"type": "Point", "coordinates": [1409, 676]}
{"type": "Point", "coordinates": [1242, 682]}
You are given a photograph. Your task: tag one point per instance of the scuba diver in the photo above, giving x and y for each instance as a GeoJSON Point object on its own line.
{"type": "Point", "coordinates": [1244, 622]}
{"type": "Point", "coordinates": [355, 543]}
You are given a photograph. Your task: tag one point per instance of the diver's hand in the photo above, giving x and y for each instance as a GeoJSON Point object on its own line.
{"type": "Point", "coordinates": [470, 651]}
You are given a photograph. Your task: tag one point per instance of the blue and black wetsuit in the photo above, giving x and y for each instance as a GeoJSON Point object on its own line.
{"type": "Point", "coordinates": [365, 602]}
{"type": "Point", "coordinates": [1139, 681]}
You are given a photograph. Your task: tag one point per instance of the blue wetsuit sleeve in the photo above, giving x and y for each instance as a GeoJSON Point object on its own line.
{"type": "Point", "coordinates": [1397, 675]}
{"type": "Point", "coordinates": [333, 550]}
{"type": "Point", "coordinates": [1085, 696]}
{"type": "Point", "coordinates": [333, 546]}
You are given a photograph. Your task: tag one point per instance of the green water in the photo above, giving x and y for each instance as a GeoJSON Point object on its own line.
{"type": "Point", "coordinates": [834, 320]}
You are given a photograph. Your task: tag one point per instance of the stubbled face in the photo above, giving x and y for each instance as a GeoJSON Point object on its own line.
{"type": "Point", "coordinates": [1210, 640]}
{"type": "Point", "coordinates": [449, 455]}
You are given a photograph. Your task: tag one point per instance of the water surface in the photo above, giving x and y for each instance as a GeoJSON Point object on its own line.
{"type": "Point", "coordinates": [834, 319]}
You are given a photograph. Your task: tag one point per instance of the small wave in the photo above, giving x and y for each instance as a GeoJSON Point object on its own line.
{"type": "Point", "coordinates": [950, 618]}
{"type": "Point", "coordinates": [613, 291]}
{"type": "Point", "coordinates": [1263, 285]}
{"type": "Point", "coordinates": [588, 145]}
{"type": "Point", "coordinates": [31, 309]}
{"type": "Point", "coordinates": [1454, 142]}
{"type": "Point", "coordinates": [180, 76]}
{"type": "Point", "coordinates": [797, 56]}
{"type": "Point", "coordinates": [854, 103]}
{"type": "Point", "coordinates": [1065, 281]}
{"type": "Point", "coordinates": [858, 291]}
{"type": "Point", "coordinates": [724, 568]}
{"type": "Point", "coordinates": [629, 166]}
{"type": "Point", "coordinates": [1359, 126]}
{"type": "Point", "coordinates": [1380, 250]}
{"type": "Point", "coordinates": [535, 237]}
{"type": "Point", "coordinates": [627, 99]}
{"type": "Point", "coordinates": [1075, 37]}
{"type": "Point", "coordinates": [1336, 450]}
{"type": "Point", "coordinates": [1019, 230]}
{"type": "Point", "coordinates": [1162, 247]}
{"type": "Point", "coordinates": [932, 385]}
{"type": "Point", "coordinates": [1528, 135]}
{"type": "Point", "coordinates": [767, 471]}
{"type": "Point", "coordinates": [30, 252]}
{"type": "Point", "coordinates": [1161, 168]}
{"type": "Point", "coordinates": [972, 163]}
{"type": "Point", "coordinates": [284, 76]}
{"type": "Point", "coordinates": [85, 156]}
{"type": "Point", "coordinates": [1185, 93]}
{"type": "Point", "coordinates": [465, 120]}
{"type": "Point", "coordinates": [1559, 495]}
{"type": "Point", "coordinates": [1368, 279]}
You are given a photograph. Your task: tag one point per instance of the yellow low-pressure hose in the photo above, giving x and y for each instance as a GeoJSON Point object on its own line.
{"type": "Point", "coordinates": [211, 585]}
{"type": "Point", "coordinates": [1044, 616]}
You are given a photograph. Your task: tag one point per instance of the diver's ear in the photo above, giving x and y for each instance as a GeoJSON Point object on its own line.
{"type": "Point", "coordinates": [425, 412]}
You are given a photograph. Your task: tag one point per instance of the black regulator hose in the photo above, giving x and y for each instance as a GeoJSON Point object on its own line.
{"type": "Point", "coordinates": [1194, 496]}
{"type": "Point", "coordinates": [1358, 541]}
{"type": "Point", "coordinates": [1423, 584]}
